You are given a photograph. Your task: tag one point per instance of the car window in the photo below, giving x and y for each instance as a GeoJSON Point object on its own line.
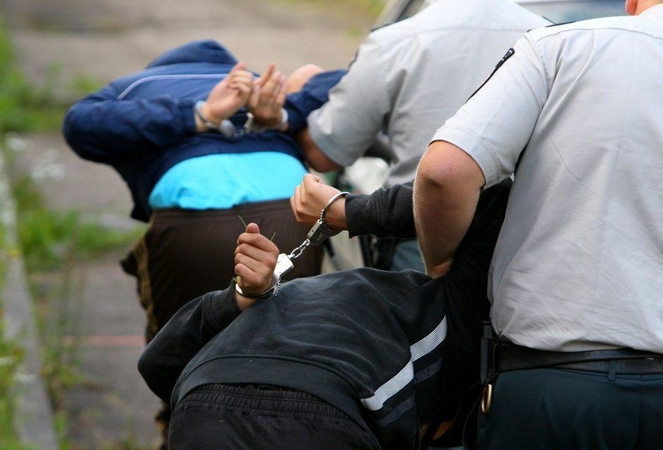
{"type": "Point", "coordinates": [569, 11]}
{"type": "Point", "coordinates": [554, 10]}
{"type": "Point", "coordinates": [396, 10]}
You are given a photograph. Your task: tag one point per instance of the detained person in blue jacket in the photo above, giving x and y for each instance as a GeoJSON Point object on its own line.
{"type": "Point", "coordinates": [183, 134]}
{"type": "Point", "coordinates": [357, 359]}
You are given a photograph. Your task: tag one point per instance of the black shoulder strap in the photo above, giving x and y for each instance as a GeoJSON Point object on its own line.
{"type": "Point", "coordinates": [506, 56]}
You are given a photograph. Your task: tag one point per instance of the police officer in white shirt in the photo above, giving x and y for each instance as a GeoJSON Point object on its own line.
{"type": "Point", "coordinates": [577, 272]}
{"type": "Point", "coordinates": [407, 79]}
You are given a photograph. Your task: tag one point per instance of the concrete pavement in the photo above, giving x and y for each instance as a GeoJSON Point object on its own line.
{"type": "Point", "coordinates": [33, 417]}
{"type": "Point", "coordinates": [111, 408]}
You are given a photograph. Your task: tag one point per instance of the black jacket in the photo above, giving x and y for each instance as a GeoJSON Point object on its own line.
{"type": "Point", "coordinates": [384, 347]}
{"type": "Point", "coordinates": [386, 212]}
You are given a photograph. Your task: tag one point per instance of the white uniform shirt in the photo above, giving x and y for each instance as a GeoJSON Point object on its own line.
{"type": "Point", "coordinates": [409, 77]}
{"type": "Point", "coordinates": [579, 262]}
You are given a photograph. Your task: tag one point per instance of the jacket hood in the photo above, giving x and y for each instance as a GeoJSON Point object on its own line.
{"type": "Point", "coordinates": [196, 51]}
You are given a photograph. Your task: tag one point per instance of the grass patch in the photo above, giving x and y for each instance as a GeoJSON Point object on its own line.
{"type": "Point", "coordinates": [53, 243]}
{"type": "Point", "coordinates": [22, 107]}
{"type": "Point", "coordinates": [368, 8]}
{"type": "Point", "coordinates": [352, 12]}
{"type": "Point", "coordinates": [50, 242]}
{"type": "Point", "coordinates": [11, 356]}
{"type": "Point", "coordinates": [26, 108]}
{"type": "Point", "coordinates": [51, 238]}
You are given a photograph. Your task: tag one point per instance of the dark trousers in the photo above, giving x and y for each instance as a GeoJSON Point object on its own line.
{"type": "Point", "coordinates": [571, 409]}
{"type": "Point", "coordinates": [187, 253]}
{"type": "Point", "coordinates": [246, 417]}
{"type": "Point", "coordinates": [225, 417]}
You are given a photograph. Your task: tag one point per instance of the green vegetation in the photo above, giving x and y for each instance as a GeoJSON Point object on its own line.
{"type": "Point", "coordinates": [370, 8]}
{"type": "Point", "coordinates": [24, 107]}
{"type": "Point", "coordinates": [11, 356]}
{"type": "Point", "coordinates": [51, 238]}
{"type": "Point", "coordinates": [49, 241]}
{"type": "Point", "coordinates": [357, 14]}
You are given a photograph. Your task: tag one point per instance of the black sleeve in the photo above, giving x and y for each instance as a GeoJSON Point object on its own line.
{"type": "Point", "coordinates": [195, 324]}
{"type": "Point", "coordinates": [467, 300]}
{"type": "Point", "coordinates": [387, 212]}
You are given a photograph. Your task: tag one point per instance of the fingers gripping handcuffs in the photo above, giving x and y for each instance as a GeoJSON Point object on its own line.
{"type": "Point", "coordinates": [318, 234]}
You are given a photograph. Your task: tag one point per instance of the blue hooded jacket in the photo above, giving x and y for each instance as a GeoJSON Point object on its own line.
{"type": "Point", "coordinates": [143, 124]}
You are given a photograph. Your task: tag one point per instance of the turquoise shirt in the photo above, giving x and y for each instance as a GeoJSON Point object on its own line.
{"type": "Point", "coordinates": [226, 180]}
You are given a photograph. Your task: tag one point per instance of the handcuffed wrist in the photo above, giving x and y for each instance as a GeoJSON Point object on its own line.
{"type": "Point", "coordinates": [330, 202]}
{"type": "Point", "coordinates": [226, 127]}
{"type": "Point", "coordinates": [254, 127]}
{"type": "Point", "coordinates": [265, 294]}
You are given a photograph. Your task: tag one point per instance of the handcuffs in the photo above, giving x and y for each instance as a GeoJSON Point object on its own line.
{"type": "Point", "coordinates": [319, 233]}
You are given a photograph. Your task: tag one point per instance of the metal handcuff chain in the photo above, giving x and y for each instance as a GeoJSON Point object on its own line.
{"type": "Point", "coordinates": [318, 233]}
{"type": "Point", "coordinates": [227, 128]}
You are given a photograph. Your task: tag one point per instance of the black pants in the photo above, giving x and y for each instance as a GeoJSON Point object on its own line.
{"type": "Point", "coordinates": [234, 417]}
{"type": "Point", "coordinates": [246, 417]}
{"type": "Point", "coordinates": [571, 409]}
{"type": "Point", "coordinates": [187, 253]}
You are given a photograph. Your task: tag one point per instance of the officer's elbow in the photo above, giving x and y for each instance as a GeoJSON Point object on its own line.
{"type": "Point", "coordinates": [313, 155]}
{"type": "Point", "coordinates": [445, 164]}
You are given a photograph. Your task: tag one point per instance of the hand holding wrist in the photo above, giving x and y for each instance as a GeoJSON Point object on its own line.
{"type": "Point", "coordinates": [335, 216]}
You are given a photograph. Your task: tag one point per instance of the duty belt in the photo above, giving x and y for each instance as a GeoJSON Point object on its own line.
{"type": "Point", "coordinates": [506, 357]}
{"type": "Point", "coordinates": [625, 361]}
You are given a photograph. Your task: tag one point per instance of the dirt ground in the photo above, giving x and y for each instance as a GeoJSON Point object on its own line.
{"type": "Point", "coordinates": [100, 40]}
